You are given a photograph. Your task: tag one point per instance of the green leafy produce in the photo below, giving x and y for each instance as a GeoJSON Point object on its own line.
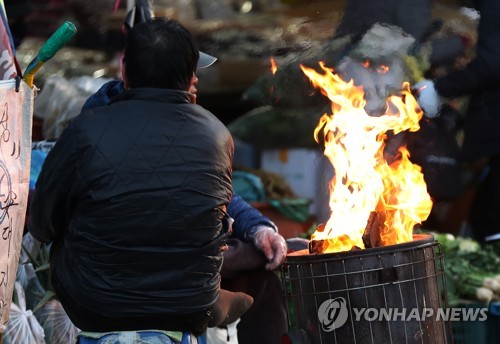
{"type": "Point", "coordinates": [472, 270]}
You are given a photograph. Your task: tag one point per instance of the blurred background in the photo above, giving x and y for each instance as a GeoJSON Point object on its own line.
{"type": "Point", "coordinates": [272, 115]}
{"type": "Point", "coordinates": [257, 89]}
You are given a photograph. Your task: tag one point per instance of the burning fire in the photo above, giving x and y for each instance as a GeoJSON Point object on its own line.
{"type": "Point", "coordinates": [382, 69]}
{"type": "Point", "coordinates": [364, 183]}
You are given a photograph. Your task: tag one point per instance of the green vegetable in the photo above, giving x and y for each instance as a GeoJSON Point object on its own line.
{"type": "Point", "coordinates": [472, 269]}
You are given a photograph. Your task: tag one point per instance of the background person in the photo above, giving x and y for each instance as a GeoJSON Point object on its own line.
{"type": "Point", "coordinates": [480, 78]}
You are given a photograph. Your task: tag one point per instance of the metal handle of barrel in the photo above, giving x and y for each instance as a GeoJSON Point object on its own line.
{"type": "Point", "coordinates": [55, 42]}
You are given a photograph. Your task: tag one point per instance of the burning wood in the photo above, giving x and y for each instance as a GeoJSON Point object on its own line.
{"type": "Point", "coordinates": [371, 237]}
{"type": "Point", "coordinates": [320, 246]}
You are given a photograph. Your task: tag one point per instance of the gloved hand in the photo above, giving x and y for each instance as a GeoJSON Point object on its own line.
{"type": "Point", "coordinates": [272, 244]}
{"type": "Point", "coordinates": [428, 98]}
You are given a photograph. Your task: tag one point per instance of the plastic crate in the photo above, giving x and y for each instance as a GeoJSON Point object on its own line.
{"type": "Point", "coordinates": [478, 332]}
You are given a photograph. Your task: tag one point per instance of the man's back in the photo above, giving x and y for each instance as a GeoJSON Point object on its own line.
{"type": "Point", "coordinates": [149, 180]}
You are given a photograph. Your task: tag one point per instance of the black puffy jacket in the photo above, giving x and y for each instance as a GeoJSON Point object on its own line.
{"type": "Point", "coordinates": [132, 197]}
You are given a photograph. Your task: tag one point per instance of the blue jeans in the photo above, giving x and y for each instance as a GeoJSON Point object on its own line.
{"type": "Point", "coordinates": [141, 337]}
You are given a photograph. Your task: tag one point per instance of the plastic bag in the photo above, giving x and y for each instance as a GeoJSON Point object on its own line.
{"type": "Point", "coordinates": [37, 159]}
{"type": "Point", "coordinates": [33, 255]}
{"type": "Point", "coordinates": [61, 100]}
{"type": "Point", "coordinates": [23, 327]}
{"type": "Point", "coordinates": [55, 322]}
{"type": "Point", "coordinates": [248, 186]}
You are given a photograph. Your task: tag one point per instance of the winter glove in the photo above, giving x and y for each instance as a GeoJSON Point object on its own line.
{"type": "Point", "coordinates": [428, 98]}
{"type": "Point", "coordinates": [272, 244]}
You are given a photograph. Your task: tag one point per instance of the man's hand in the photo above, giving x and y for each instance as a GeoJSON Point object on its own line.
{"type": "Point", "coordinates": [273, 245]}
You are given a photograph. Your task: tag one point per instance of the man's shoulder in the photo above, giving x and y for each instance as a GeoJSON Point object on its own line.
{"type": "Point", "coordinates": [210, 117]}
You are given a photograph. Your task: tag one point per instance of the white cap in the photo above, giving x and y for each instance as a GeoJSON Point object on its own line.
{"type": "Point", "coordinates": [205, 60]}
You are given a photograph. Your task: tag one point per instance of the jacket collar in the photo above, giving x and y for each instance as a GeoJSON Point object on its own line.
{"type": "Point", "coordinates": [155, 94]}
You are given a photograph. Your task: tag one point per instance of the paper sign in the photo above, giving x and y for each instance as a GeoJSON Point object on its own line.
{"type": "Point", "coordinates": [16, 109]}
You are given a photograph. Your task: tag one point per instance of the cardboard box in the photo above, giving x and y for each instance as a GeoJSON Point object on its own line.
{"type": "Point", "coordinates": [308, 173]}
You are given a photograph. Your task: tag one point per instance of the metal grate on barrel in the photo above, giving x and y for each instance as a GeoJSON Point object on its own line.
{"type": "Point", "coordinates": [368, 296]}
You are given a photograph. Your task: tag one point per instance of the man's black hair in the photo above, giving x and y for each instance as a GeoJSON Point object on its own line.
{"type": "Point", "coordinates": [160, 53]}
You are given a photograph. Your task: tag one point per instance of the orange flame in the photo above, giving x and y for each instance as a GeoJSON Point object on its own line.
{"type": "Point", "coordinates": [274, 67]}
{"type": "Point", "coordinates": [363, 181]}
{"type": "Point", "coordinates": [382, 69]}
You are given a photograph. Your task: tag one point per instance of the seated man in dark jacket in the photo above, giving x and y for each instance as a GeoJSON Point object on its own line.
{"type": "Point", "coordinates": [133, 199]}
{"type": "Point", "coordinates": [255, 249]}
